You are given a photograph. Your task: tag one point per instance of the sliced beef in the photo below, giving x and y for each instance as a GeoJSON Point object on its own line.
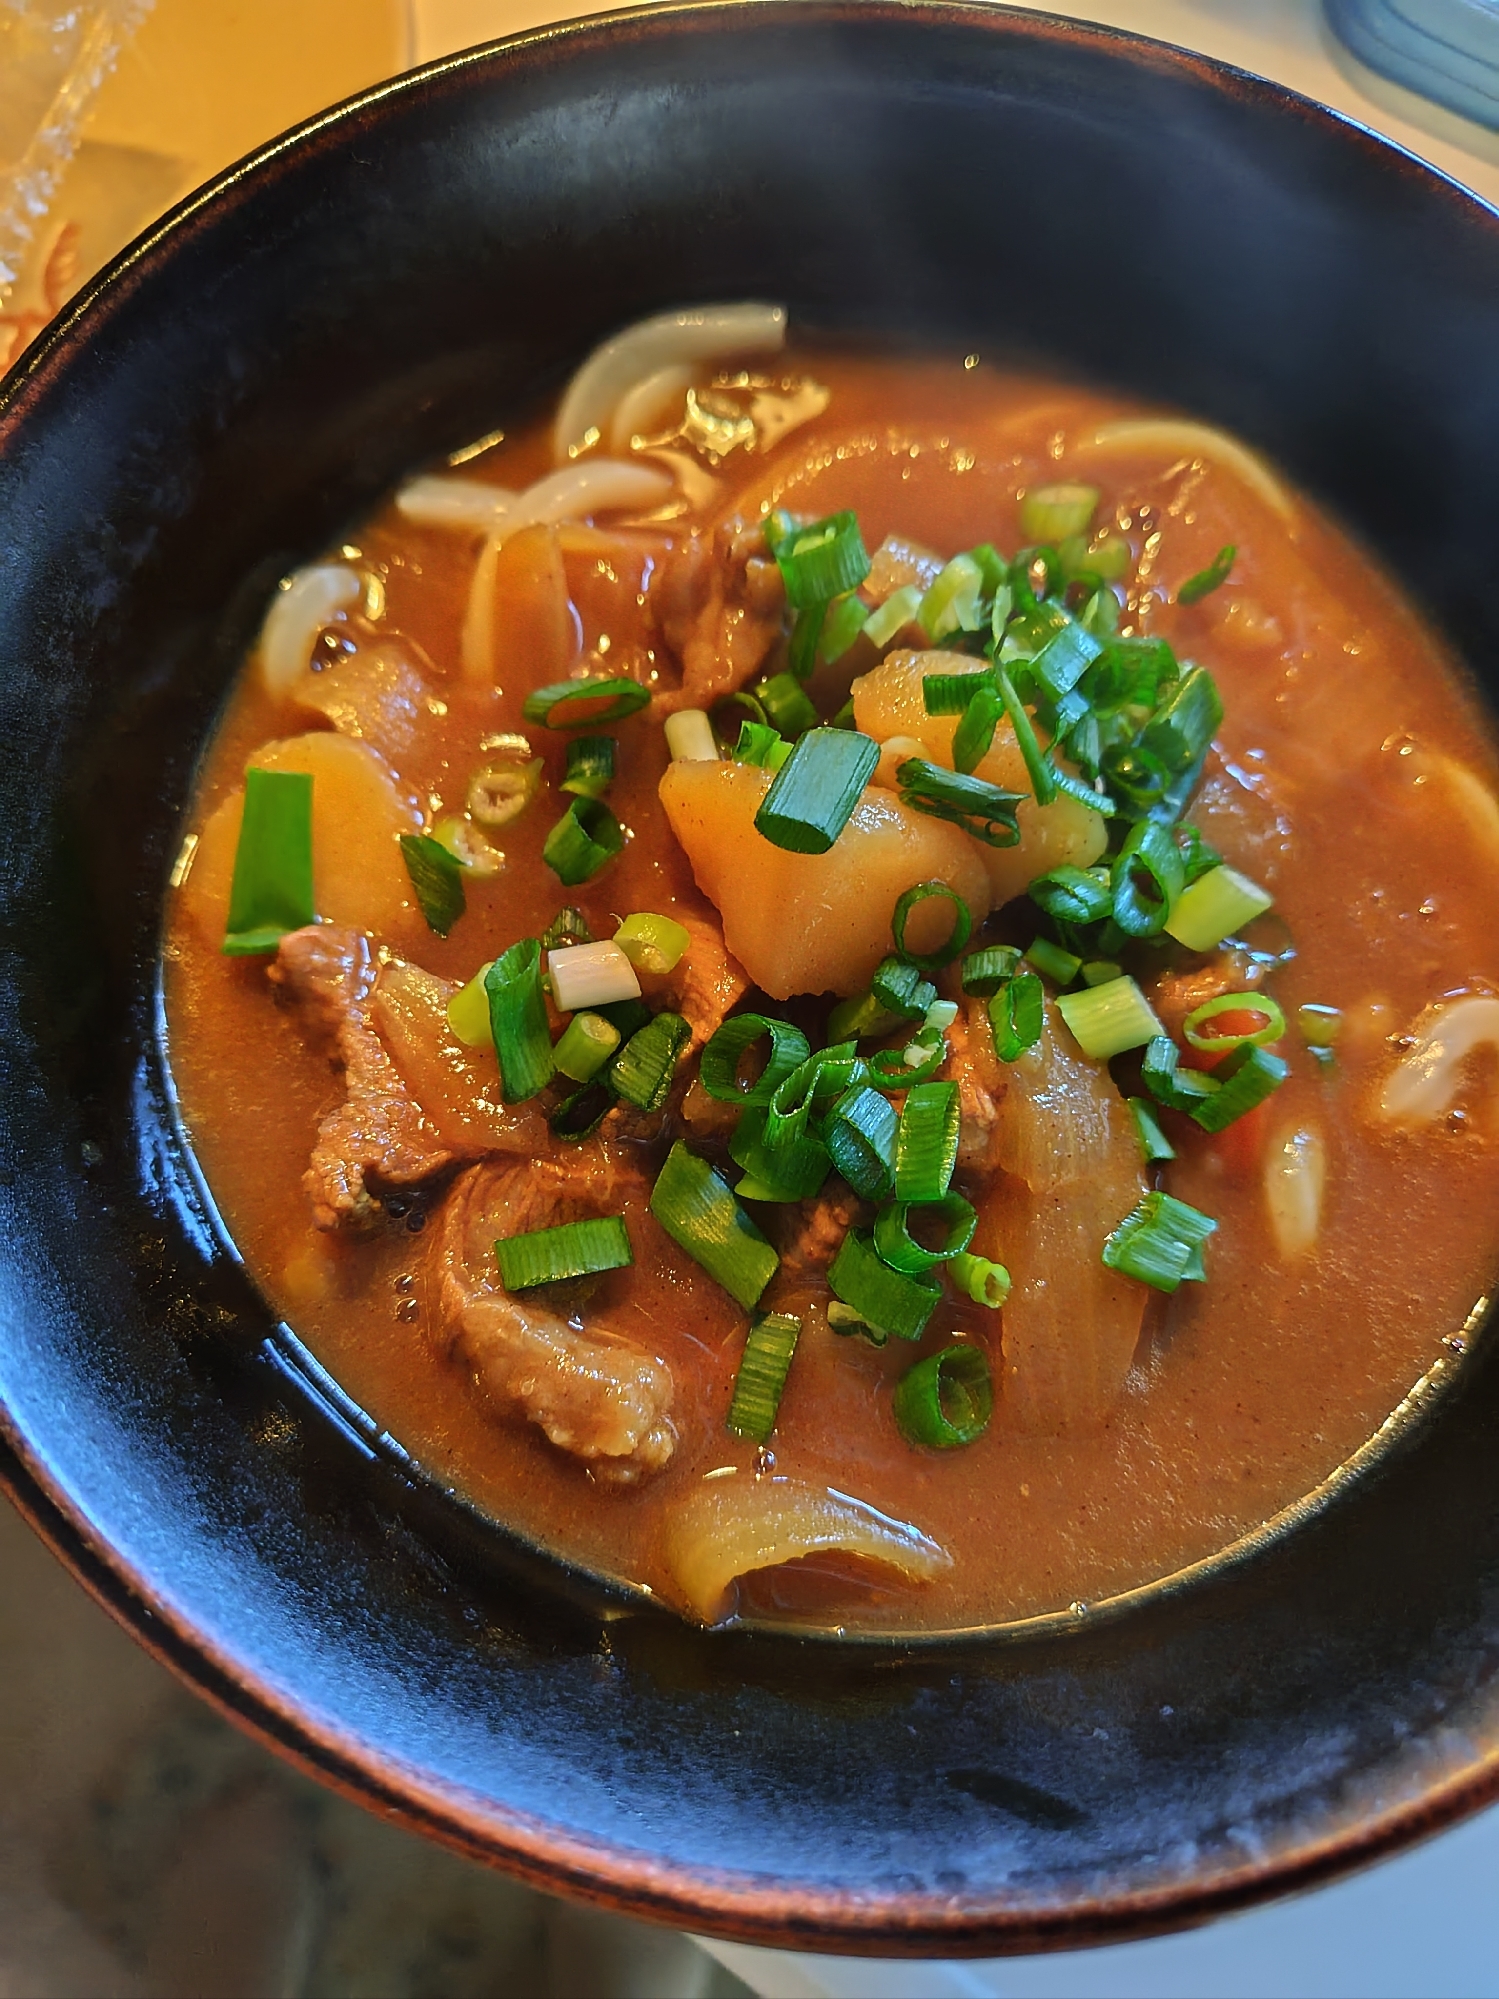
{"type": "Point", "coordinates": [379, 1133]}
{"type": "Point", "coordinates": [707, 983]}
{"type": "Point", "coordinates": [595, 1394]}
{"type": "Point", "coordinates": [979, 1074]}
{"type": "Point", "coordinates": [721, 605]}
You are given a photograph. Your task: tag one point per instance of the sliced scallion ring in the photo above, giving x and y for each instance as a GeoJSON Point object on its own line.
{"type": "Point", "coordinates": [1150, 854]}
{"type": "Point", "coordinates": [763, 1367]}
{"type": "Point", "coordinates": [1017, 1013]}
{"type": "Point", "coordinates": [962, 925]}
{"type": "Point", "coordinates": [552, 706]}
{"type": "Point", "coordinates": [985, 971]}
{"type": "Point", "coordinates": [860, 1137]}
{"type": "Point", "coordinates": [885, 1299]}
{"type": "Point", "coordinates": [576, 1249]}
{"type": "Point", "coordinates": [584, 839]}
{"type": "Point", "coordinates": [518, 1021]}
{"type": "Point", "coordinates": [978, 1279]}
{"type": "Point", "coordinates": [271, 891]}
{"type": "Point", "coordinates": [823, 561]}
{"type": "Point", "coordinates": [900, 1249]}
{"type": "Point", "coordinates": [653, 944]}
{"type": "Point", "coordinates": [984, 810]}
{"type": "Point", "coordinates": [947, 1399]}
{"type": "Point", "coordinates": [926, 1146]}
{"type": "Point", "coordinates": [590, 766]}
{"type": "Point", "coordinates": [1223, 1044]}
{"type": "Point", "coordinates": [718, 1069]}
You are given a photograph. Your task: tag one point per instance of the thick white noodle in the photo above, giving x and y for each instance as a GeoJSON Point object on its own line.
{"type": "Point", "coordinates": [435, 502]}
{"type": "Point", "coordinates": [1425, 1080]}
{"type": "Point", "coordinates": [702, 333]}
{"type": "Point", "coordinates": [647, 404]}
{"type": "Point", "coordinates": [1295, 1181]}
{"type": "Point", "coordinates": [596, 485]}
{"type": "Point", "coordinates": [306, 601]}
{"type": "Point", "coordinates": [1175, 437]}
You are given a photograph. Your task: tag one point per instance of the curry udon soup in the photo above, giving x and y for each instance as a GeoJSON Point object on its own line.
{"type": "Point", "coordinates": [848, 990]}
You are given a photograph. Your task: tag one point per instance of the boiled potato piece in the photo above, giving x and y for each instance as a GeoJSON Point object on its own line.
{"type": "Point", "coordinates": [359, 810]}
{"type": "Point", "coordinates": [815, 923]}
{"type": "Point", "coordinates": [889, 702]}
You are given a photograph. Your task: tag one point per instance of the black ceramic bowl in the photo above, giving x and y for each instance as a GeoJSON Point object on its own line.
{"type": "Point", "coordinates": [395, 279]}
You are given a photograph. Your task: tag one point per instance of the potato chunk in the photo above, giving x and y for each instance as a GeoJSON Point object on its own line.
{"type": "Point", "coordinates": [889, 702]}
{"type": "Point", "coordinates": [814, 923]}
{"type": "Point", "coordinates": [359, 810]}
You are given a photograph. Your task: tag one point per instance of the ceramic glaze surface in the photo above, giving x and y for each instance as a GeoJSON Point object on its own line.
{"type": "Point", "coordinates": [413, 271]}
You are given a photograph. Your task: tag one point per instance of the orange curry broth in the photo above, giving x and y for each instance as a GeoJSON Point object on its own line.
{"type": "Point", "coordinates": [1247, 1390]}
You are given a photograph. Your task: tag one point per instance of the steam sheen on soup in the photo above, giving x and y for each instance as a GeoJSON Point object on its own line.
{"type": "Point", "coordinates": [850, 990]}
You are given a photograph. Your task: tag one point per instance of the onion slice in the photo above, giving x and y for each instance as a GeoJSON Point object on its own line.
{"type": "Point", "coordinates": [731, 1526]}
{"type": "Point", "coordinates": [1425, 1080]}
{"type": "Point", "coordinates": [306, 601]}
{"type": "Point", "coordinates": [671, 339]}
{"type": "Point", "coordinates": [469, 504]}
{"type": "Point", "coordinates": [1177, 438]}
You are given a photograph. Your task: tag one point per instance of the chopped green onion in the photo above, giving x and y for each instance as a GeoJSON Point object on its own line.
{"type": "Point", "coordinates": [698, 1211]}
{"type": "Point", "coordinates": [979, 1280]}
{"type": "Point", "coordinates": [761, 745]}
{"type": "Point", "coordinates": [1060, 966]}
{"type": "Point", "coordinates": [806, 630]}
{"type": "Point", "coordinates": [690, 737]}
{"type": "Point", "coordinates": [576, 1249]}
{"type": "Point", "coordinates": [846, 618]}
{"type": "Point", "coordinates": [951, 601]}
{"type": "Point", "coordinates": [962, 925]}
{"type": "Point", "coordinates": [898, 610]}
{"type": "Point", "coordinates": [590, 765]}
{"type": "Point", "coordinates": [1222, 1044]}
{"type": "Point", "coordinates": [947, 1399]}
{"type": "Point", "coordinates": [985, 971]}
{"type": "Point", "coordinates": [1064, 659]}
{"type": "Point", "coordinates": [437, 877]}
{"type": "Point", "coordinates": [468, 1013]}
{"type": "Point", "coordinates": [1100, 971]}
{"type": "Point", "coordinates": [718, 1070]}
{"type": "Point", "coordinates": [628, 1015]}
{"type": "Point", "coordinates": [518, 1021]}
{"type": "Point", "coordinates": [926, 1146]}
{"type": "Point", "coordinates": [952, 693]}
{"type": "Point", "coordinates": [1197, 855]}
{"type": "Point", "coordinates": [584, 839]}
{"type": "Point", "coordinates": [791, 1172]}
{"type": "Point", "coordinates": [860, 1138]}
{"type": "Point", "coordinates": [550, 705]}
{"type": "Point", "coordinates": [1208, 579]}
{"type": "Point", "coordinates": [581, 1112]}
{"type": "Point", "coordinates": [1179, 731]}
{"type": "Point", "coordinates": [813, 796]}
{"type": "Point", "coordinates": [1052, 513]}
{"type": "Point", "coordinates": [763, 1368]}
{"type": "Point", "coordinates": [568, 926]}
{"type": "Point", "coordinates": [587, 1042]}
{"type": "Point", "coordinates": [1244, 1081]}
{"type": "Point", "coordinates": [786, 705]}
{"type": "Point", "coordinates": [590, 975]}
{"type": "Point", "coordinates": [903, 1068]}
{"type": "Point", "coordinates": [1105, 1020]}
{"type": "Point", "coordinates": [1320, 1025]}
{"type": "Point", "coordinates": [860, 1019]}
{"type": "Point", "coordinates": [900, 1249]}
{"type": "Point", "coordinates": [984, 810]}
{"type": "Point", "coordinates": [1073, 895]}
{"type": "Point", "coordinates": [271, 892]}
{"type": "Point", "coordinates": [886, 1299]}
{"type": "Point", "coordinates": [843, 1320]}
{"type": "Point", "coordinates": [1038, 767]}
{"type": "Point", "coordinates": [975, 733]}
{"type": "Point", "coordinates": [819, 1079]}
{"type": "Point", "coordinates": [653, 944]}
{"type": "Point", "coordinates": [778, 525]}
{"type": "Point", "coordinates": [1160, 1242]}
{"type": "Point", "coordinates": [1017, 1012]}
{"type": "Point", "coordinates": [500, 792]}
{"type": "Point", "coordinates": [641, 1072]}
{"type": "Point", "coordinates": [823, 561]}
{"type": "Point", "coordinates": [1214, 907]}
{"type": "Point", "coordinates": [1149, 854]}
{"type": "Point", "coordinates": [1154, 1144]}
{"type": "Point", "coordinates": [1177, 1088]}
{"type": "Point", "coordinates": [899, 988]}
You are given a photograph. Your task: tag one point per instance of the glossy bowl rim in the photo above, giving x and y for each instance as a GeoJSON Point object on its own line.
{"type": "Point", "coordinates": [540, 1852]}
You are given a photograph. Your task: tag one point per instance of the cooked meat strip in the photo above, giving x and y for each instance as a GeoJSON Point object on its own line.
{"type": "Point", "coordinates": [595, 1394]}
{"type": "Point", "coordinates": [721, 605]}
{"type": "Point", "coordinates": [814, 1229]}
{"type": "Point", "coordinates": [378, 1133]}
{"type": "Point", "coordinates": [707, 983]}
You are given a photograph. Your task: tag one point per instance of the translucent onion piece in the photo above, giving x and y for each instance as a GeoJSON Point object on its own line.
{"type": "Point", "coordinates": [1427, 1077]}
{"type": "Point", "coordinates": [1175, 438]}
{"type": "Point", "coordinates": [469, 504]}
{"type": "Point", "coordinates": [705, 333]}
{"type": "Point", "coordinates": [648, 403]}
{"type": "Point", "coordinates": [731, 1526]}
{"type": "Point", "coordinates": [476, 642]}
{"type": "Point", "coordinates": [305, 603]}
{"type": "Point", "coordinates": [1295, 1181]}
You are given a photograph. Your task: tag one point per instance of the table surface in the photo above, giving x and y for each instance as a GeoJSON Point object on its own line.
{"type": "Point", "coordinates": [153, 1852]}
